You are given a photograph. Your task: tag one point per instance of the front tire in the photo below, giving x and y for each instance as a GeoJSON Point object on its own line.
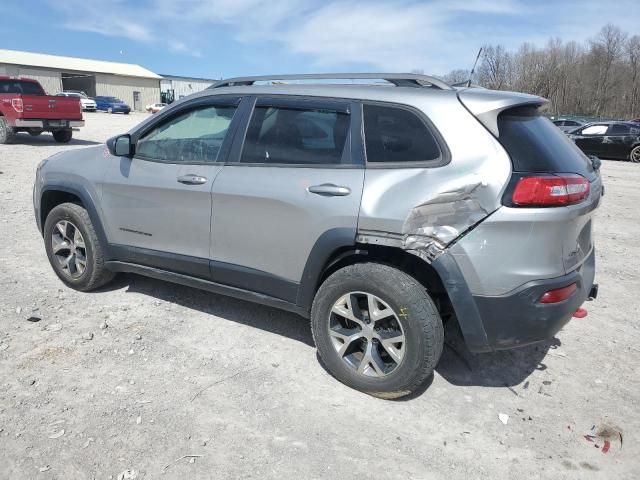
{"type": "Point", "coordinates": [634, 156]}
{"type": "Point", "coordinates": [63, 136]}
{"type": "Point", "coordinates": [73, 248]}
{"type": "Point", "coordinates": [377, 330]}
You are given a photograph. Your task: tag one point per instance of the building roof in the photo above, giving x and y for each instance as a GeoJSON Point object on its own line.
{"type": "Point", "coordinates": [31, 59]}
{"type": "Point", "coordinates": [195, 79]}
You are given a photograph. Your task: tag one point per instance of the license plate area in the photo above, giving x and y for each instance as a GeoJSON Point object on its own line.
{"type": "Point", "coordinates": [58, 123]}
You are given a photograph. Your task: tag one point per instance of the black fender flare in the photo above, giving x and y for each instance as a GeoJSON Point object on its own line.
{"type": "Point", "coordinates": [321, 254]}
{"type": "Point", "coordinates": [467, 313]}
{"type": "Point", "coordinates": [88, 203]}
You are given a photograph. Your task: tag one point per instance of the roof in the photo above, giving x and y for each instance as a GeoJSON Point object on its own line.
{"type": "Point", "coordinates": [43, 60]}
{"type": "Point", "coordinates": [374, 92]}
{"type": "Point", "coordinates": [482, 98]}
{"type": "Point", "coordinates": [397, 79]}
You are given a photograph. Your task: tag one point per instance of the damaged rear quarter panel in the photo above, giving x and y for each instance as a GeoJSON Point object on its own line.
{"type": "Point", "coordinates": [424, 209]}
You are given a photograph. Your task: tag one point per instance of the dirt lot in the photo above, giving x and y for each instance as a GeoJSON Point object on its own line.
{"type": "Point", "coordinates": [142, 373]}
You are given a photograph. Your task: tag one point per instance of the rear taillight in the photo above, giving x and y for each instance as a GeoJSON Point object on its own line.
{"type": "Point", "coordinates": [559, 294]}
{"type": "Point", "coordinates": [550, 190]}
{"type": "Point", "coordinates": [17, 105]}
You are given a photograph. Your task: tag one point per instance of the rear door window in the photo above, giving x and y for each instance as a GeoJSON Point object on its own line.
{"type": "Point", "coordinates": [296, 136]}
{"type": "Point", "coordinates": [536, 145]}
{"type": "Point", "coordinates": [618, 129]}
{"type": "Point", "coordinates": [397, 135]}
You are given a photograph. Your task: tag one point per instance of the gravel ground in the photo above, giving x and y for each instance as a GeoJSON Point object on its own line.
{"type": "Point", "coordinates": [142, 373]}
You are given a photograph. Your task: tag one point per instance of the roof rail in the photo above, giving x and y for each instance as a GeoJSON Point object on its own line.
{"type": "Point", "coordinates": [397, 79]}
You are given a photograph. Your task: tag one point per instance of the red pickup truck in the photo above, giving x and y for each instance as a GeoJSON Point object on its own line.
{"type": "Point", "coordinates": [25, 107]}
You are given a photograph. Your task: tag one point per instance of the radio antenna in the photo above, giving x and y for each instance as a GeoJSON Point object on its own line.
{"type": "Point", "coordinates": [474, 67]}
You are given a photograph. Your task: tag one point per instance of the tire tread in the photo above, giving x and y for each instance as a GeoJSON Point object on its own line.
{"type": "Point", "coordinates": [100, 275]}
{"type": "Point", "coordinates": [418, 302]}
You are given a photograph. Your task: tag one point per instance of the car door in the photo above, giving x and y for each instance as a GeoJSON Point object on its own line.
{"type": "Point", "coordinates": [157, 205]}
{"type": "Point", "coordinates": [292, 190]}
{"type": "Point", "coordinates": [590, 139]}
{"type": "Point", "coordinates": [618, 141]}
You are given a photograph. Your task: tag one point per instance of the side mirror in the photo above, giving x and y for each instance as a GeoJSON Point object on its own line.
{"type": "Point", "coordinates": [121, 146]}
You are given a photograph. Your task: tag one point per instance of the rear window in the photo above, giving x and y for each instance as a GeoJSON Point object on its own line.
{"type": "Point", "coordinates": [396, 135]}
{"type": "Point", "coordinates": [619, 129]}
{"type": "Point", "coordinates": [536, 145]}
{"type": "Point", "coordinates": [21, 87]}
{"type": "Point", "coordinates": [296, 136]}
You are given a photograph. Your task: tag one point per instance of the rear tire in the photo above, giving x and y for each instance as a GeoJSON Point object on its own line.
{"type": "Point", "coordinates": [73, 248]}
{"type": "Point", "coordinates": [63, 136]}
{"type": "Point", "coordinates": [380, 364]}
{"type": "Point", "coordinates": [634, 156]}
{"type": "Point", "coordinates": [7, 133]}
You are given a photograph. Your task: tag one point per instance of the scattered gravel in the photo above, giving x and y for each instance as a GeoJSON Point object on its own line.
{"type": "Point", "coordinates": [252, 420]}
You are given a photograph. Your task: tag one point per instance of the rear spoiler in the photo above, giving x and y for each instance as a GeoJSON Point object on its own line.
{"type": "Point", "coordinates": [486, 105]}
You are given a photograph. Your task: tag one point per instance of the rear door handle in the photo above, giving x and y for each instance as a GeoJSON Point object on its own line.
{"type": "Point", "coordinates": [329, 190]}
{"type": "Point", "coordinates": [192, 179]}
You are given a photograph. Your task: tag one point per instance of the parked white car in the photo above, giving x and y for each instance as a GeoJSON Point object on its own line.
{"type": "Point", "coordinates": [155, 107]}
{"type": "Point", "coordinates": [86, 102]}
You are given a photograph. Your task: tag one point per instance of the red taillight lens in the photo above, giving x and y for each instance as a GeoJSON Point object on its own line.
{"type": "Point", "coordinates": [17, 105]}
{"type": "Point", "coordinates": [550, 191]}
{"type": "Point", "coordinates": [559, 294]}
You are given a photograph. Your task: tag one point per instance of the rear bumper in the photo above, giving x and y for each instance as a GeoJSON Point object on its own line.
{"type": "Point", "coordinates": [48, 124]}
{"type": "Point", "coordinates": [518, 319]}
{"type": "Point", "coordinates": [514, 319]}
{"type": "Point", "coordinates": [116, 109]}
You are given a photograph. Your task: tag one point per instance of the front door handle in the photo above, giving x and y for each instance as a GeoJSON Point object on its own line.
{"type": "Point", "coordinates": [329, 190]}
{"type": "Point", "coordinates": [192, 179]}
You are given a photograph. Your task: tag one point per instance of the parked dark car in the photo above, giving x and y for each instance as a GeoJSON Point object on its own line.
{"type": "Point", "coordinates": [619, 140]}
{"type": "Point", "coordinates": [567, 125]}
{"type": "Point", "coordinates": [112, 105]}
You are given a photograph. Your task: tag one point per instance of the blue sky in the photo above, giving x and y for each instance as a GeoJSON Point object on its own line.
{"type": "Point", "coordinates": [221, 38]}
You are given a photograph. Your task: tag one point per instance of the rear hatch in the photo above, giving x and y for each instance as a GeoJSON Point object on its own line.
{"type": "Point", "coordinates": [539, 149]}
{"type": "Point", "coordinates": [550, 173]}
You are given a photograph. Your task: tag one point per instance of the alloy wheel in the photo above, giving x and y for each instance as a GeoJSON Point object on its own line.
{"type": "Point", "coordinates": [366, 334]}
{"type": "Point", "coordinates": [635, 155]}
{"type": "Point", "coordinates": [69, 249]}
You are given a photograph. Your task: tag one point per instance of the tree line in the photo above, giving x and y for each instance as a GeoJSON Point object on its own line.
{"type": "Point", "coordinates": [599, 78]}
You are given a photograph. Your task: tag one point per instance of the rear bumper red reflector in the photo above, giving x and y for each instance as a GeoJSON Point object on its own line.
{"type": "Point", "coordinates": [559, 294]}
{"type": "Point", "coordinates": [580, 313]}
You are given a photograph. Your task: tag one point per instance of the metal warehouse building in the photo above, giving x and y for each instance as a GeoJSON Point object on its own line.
{"type": "Point", "coordinates": [174, 87]}
{"type": "Point", "coordinates": [134, 84]}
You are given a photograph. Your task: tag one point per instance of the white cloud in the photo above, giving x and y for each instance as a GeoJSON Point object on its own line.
{"type": "Point", "coordinates": [177, 46]}
{"type": "Point", "coordinates": [130, 30]}
{"type": "Point", "coordinates": [433, 35]}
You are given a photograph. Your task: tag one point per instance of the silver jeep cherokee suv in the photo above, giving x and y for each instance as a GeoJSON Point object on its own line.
{"type": "Point", "coordinates": [379, 211]}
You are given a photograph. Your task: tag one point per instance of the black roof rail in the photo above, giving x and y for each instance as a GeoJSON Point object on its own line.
{"type": "Point", "coordinates": [397, 79]}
